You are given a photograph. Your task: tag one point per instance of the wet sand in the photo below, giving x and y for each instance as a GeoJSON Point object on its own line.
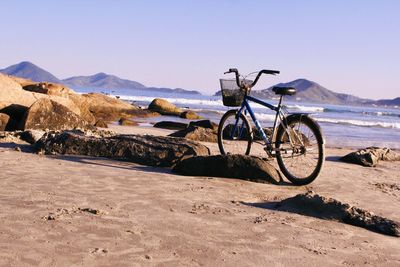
{"type": "Point", "coordinates": [83, 211]}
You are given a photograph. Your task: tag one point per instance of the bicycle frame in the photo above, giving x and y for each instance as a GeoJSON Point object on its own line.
{"type": "Point", "coordinates": [279, 115]}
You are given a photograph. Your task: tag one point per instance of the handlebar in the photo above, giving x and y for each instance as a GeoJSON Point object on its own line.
{"type": "Point", "coordinates": [272, 72]}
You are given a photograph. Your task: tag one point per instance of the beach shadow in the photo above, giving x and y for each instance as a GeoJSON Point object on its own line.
{"type": "Point", "coordinates": [333, 158]}
{"type": "Point", "coordinates": [319, 207]}
{"type": "Point", "coordinates": [27, 148]}
{"type": "Point", "coordinates": [111, 163]}
{"type": "Point", "coordinates": [287, 205]}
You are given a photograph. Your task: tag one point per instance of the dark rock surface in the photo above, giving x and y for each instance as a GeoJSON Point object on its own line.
{"type": "Point", "coordinates": [146, 150]}
{"type": "Point", "coordinates": [314, 205]}
{"type": "Point", "coordinates": [171, 125]}
{"type": "Point", "coordinates": [370, 156]}
{"type": "Point", "coordinates": [230, 166]}
{"type": "Point", "coordinates": [48, 114]}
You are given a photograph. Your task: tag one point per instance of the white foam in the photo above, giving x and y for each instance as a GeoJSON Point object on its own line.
{"type": "Point", "coordinates": [307, 109]}
{"type": "Point", "coordinates": [264, 116]}
{"type": "Point", "coordinates": [394, 125]}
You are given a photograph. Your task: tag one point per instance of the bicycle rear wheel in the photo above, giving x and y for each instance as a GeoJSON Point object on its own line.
{"type": "Point", "coordinates": [234, 134]}
{"type": "Point", "coordinates": [300, 149]}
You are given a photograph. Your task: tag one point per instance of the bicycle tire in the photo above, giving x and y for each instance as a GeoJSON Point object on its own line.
{"type": "Point", "coordinates": [245, 141]}
{"type": "Point", "coordinates": [313, 126]}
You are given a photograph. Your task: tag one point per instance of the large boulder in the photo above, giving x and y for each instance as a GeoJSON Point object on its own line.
{"type": "Point", "coordinates": [370, 156]}
{"type": "Point", "coordinates": [4, 120]}
{"type": "Point", "coordinates": [230, 166]}
{"type": "Point", "coordinates": [164, 107]}
{"type": "Point", "coordinates": [48, 114]}
{"type": "Point", "coordinates": [146, 150]}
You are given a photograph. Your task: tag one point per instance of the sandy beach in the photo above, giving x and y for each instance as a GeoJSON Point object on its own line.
{"type": "Point", "coordinates": [83, 211]}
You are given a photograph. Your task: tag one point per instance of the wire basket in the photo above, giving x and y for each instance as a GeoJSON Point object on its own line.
{"type": "Point", "coordinates": [232, 95]}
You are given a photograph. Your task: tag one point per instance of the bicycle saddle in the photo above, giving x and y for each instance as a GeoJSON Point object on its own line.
{"type": "Point", "coordinates": [284, 90]}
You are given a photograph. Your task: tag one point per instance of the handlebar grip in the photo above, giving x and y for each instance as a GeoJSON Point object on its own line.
{"type": "Point", "coordinates": [270, 71]}
{"type": "Point", "coordinates": [231, 70]}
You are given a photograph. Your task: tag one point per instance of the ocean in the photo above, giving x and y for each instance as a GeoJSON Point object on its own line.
{"type": "Point", "coordinates": [351, 126]}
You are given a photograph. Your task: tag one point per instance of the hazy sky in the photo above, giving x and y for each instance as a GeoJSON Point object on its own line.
{"type": "Point", "coordinates": [346, 46]}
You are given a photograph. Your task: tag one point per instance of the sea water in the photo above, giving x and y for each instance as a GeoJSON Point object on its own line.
{"type": "Point", "coordinates": [351, 126]}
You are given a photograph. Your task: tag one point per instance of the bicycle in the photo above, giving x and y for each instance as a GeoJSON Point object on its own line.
{"type": "Point", "coordinates": [295, 140]}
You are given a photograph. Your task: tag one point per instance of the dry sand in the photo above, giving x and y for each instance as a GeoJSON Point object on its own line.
{"type": "Point", "coordinates": [82, 211]}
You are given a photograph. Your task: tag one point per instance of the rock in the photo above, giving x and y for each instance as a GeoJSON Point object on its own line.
{"type": "Point", "coordinates": [370, 156]}
{"type": "Point", "coordinates": [197, 134]}
{"type": "Point", "coordinates": [146, 150]}
{"type": "Point", "coordinates": [14, 101]}
{"type": "Point", "coordinates": [101, 123]}
{"type": "Point", "coordinates": [108, 108]}
{"type": "Point", "coordinates": [49, 114]}
{"type": "Point", "coordinates": [4, 120]}
{"type": "Point", "coordinates": [164, 107]}
{"type": "Point", "coordinates": [190, 115]}
{"type": "Point", "coordinates": [314, 205]}
{"type": "Point", "coordinates": [49, 89]}
{"type": "Point", "coordinates": [171, 125]}
{"type": "Point", "coordinates": [205, 124]}
{"type": "Point", "coordinates": [127, 122]}
{"type": "Point", "coordinates": [31, 136]}
{"type": "Point", "coordinates": [230, 166]}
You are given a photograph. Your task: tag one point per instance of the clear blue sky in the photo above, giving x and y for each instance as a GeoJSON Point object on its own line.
{"type": "Point", "coordinates": [346, 46]}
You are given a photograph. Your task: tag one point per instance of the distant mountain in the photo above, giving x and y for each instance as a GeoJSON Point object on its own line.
{"type": "Point", "coordinates": [30, 71]}
{"type": "Point", "coordinates": [100, 80]}
{"type": "Point", "coordinates": [309, 91]}
{"type": "Point", "coordinates": [387, 102]}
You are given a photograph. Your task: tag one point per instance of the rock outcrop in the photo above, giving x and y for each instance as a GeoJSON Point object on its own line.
{"type": "Point", "coordinates": [312, 204]}
{"type": "Point", "coordinates": [370, 156]}
{"type": "Point", "coordinates": [17, 95]}
{"type": "Point", "coordinates": [146, 150]}
{"type": "Point", "coordinates": [229, 166]}
{"type": "Point", "coordinates": [49, 114]}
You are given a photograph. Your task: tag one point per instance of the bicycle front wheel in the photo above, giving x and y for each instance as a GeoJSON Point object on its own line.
{"type": "Point", "coordinates": [234, 134]}
{"type": "Point", "coordinates": [300, 149]}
